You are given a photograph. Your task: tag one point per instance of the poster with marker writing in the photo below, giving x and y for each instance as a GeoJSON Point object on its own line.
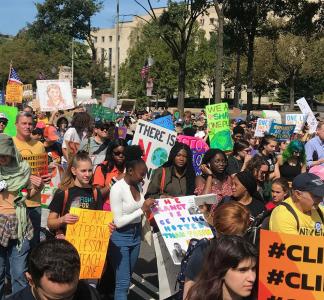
{"type": "Point", "coordinates": [180, 220]}
{"type": "Point", "coordinates": [156, 143]}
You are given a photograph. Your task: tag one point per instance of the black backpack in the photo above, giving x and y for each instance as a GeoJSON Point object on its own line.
{"type": "Point", "coordinates": [193, 244]}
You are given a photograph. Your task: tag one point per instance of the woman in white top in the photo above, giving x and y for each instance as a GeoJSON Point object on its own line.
{"type": "Point", "coordinates": [128, 205]}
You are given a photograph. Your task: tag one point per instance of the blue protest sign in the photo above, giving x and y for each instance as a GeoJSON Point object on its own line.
{"type": "Point", "coordinates": [281, 132]}
{"type": "Point", "coordinates": [165, 122]}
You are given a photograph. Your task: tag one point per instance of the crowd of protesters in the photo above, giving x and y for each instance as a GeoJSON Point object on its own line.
{"type": "Point", "coordinates": [101, 171]}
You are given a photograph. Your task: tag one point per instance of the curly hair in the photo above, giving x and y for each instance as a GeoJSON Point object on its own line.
{"type": "Point", "coordinates": [133, 155]}
{"type": "Point", "coordinates": [81, 120]}
{"type": "Point", "coordinates": [295, 146]}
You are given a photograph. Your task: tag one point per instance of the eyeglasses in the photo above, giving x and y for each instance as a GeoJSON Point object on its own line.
{"type": "Point", "coordinates": [104, 128]}
{"type": "Point", "coordinates": [118, 153]}
{"type": "Point", "coordinates": [4, 121]}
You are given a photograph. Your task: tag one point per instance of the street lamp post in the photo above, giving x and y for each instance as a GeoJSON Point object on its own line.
{"type": "Point", "coordinates": [117, 52]}
{"type": "Point", "coordinates": [72, 65]}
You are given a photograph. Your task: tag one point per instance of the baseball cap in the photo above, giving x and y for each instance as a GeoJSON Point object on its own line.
{"type": "Point", "coordinates": [3, 116]}
{"type": "Point", "coordinates": [308, 182]}
{"type": "Point", "coordinates": [50, 133]}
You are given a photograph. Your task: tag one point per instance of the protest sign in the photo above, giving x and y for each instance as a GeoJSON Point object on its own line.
{"type": "Point", "coordinates": [54, 95]}
{"type": "Point", "coordinates": [156, 143]}
{"type": "Point", "coordinates": [262, 126]}
{"type": "Point", "coordinates": [108, 101]}
{"type": "Point", "coordinates": [99, 112]}
{"type": "Point", "coordinates": [90, 236]}
{"type": "Point", "coordinates": [291, 267]}
{"type": "Point", "coordinates": [2, 98]}
{"type": "Point", "coordinates": [28, 91]}
{"type": "Point", "coordinates": [120, 132]}
{"type": "Point", "coordinates": [198, 148]}
{"type": "Point", "coordinates": [180, 220]}
{"type": "Point", "coordinates": [11, 113]}
{"type": "Point", "coordinates": [305, 109]}
{"type": "Point", "coordinates": [219, 126]}
{"type": "Point", "coordinates": [14, 93]}
{"type": "Point", "coordinates": [165, 122]}
{"type": "Point", "coordinates": [296, 119]}
{"type": "Point", "coordinates": [272, 115]}
{"type": "Point", "coordinates": [281, 132]}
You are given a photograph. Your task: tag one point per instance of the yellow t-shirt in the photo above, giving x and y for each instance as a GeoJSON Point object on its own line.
{"type": "Point", "coordinates": [29, 148]}
{"type": "Point", "coordinates": [282, 220]}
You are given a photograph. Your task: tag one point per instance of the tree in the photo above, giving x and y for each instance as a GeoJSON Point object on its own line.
{"type": "Point", "coordinates": [175, 26]}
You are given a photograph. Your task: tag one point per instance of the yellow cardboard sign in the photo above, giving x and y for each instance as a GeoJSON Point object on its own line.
{"type": "Point", "coordinates": [14, 93]}
{"type": "Point", "coordinates": [90, 236]}
{"type": "Point", "coordinates": [291, 266]}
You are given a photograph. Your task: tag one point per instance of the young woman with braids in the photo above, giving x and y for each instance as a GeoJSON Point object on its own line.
{"type": "Point", "coordinates": [128, 205]}
{"type": "Point", "coordinates": [228, 272]}
{"type": "Point", "coordinates": [176, 177]}
{"type": "Point", "coordinates": [111, 170]}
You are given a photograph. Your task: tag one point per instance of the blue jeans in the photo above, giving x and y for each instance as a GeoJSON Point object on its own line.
{"type": "Point", "coordinates": [124, 250]}
{"type": "Point", "coordinates": [35, 215]}
{"type": "Point", "coordinates": [18, 265]}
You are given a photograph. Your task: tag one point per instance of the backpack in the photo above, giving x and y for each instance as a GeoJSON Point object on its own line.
{"type": "Point", "coordinates": [193, 244]}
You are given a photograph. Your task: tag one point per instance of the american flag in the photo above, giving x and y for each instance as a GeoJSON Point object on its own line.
{"type": "Point", "coordinates": [13, 76]}
{"type": "Point", "coordinates": [145, 70]}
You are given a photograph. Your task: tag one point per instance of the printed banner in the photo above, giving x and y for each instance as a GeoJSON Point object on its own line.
{"type": "Point", "coordinates": [156, 143]}
{"type": "Point", "coordinates": [296, 119]}
{"type": "Point", "coordinates": [180, 220]}
{"type": "Point", "coordinates": [262, 126]}
{"type": "Point", "coordinates": [54, 95]}
{"type": "Point", "coordinates": [311, 119]}
{"type": "Point", "coordinates": [14, 93]}
{"type": "Point", "coordinates": [165, 122]}
{"type": "Point", "coordinates": [282, 132]}
{"type": "Point", "coordinates": [11, 113]}
{"type": "Point", "coordinates": [198, 148]}
{"type": "Point", "coordinates": [219, 126]}
{"type": "Point", "coordinates": [290, 267]}
{"type": "Point", "coordinates": [99, 112]}
{"type": "Point", "coordinates": [272, 115]}
{"type": "Point", "coordinates": [90, 236]}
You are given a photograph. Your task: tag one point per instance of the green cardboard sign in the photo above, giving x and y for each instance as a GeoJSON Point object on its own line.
{"type": "Point", "coordinates": [99, 112]}
{"type": "Point", "coordinates": [11, 113]}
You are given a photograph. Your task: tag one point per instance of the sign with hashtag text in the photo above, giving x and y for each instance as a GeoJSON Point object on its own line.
{"type": "Point", "coordinates": [291, 267]}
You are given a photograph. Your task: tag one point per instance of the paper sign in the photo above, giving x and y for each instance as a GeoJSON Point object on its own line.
{"type": "Point", "coordinates": [11, 113]}
{"type": "Point", "coordinates": [156, 143]}
{"type": "Point", "coordinates": [90, 236]}
{"type": "Point", "coordinates": [281, 132]}
{"type": "Point", "coordinates": [296, 119]}
{"type": "Point", "coordinates": [291, 267]}
{"type": "Point", "coordinates": [179, 220]}
{"type": "Point", "coordinates": [271, 114]}
{"type": "Point", "coordinates": [311, 119]}
{"type": "Point", "coordinates": [219, 126]}
{"type": "Point", "coordinates": [99, 112]}
{"type": "Point", "coordinates": [14, 93]}
{"type": "Point", "coordinates": [54, 95]}
{"type": "Point", "coordinates": [198, 148]}
{"type": "Point", "coordinates": [262, 126]}
{"type": "Point", "coordinates": [165, 122]}
{"type": "Point", "coordinates": [120, 132]}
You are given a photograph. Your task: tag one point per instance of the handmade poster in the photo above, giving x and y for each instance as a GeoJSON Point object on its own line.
{"type": "Point", "coordinates": [54, 95]}
{"type": "Point", "coordinates": [198, 148]}
{"type": "Point", "coordinates": [262, 126]}
{"type": "Point", "coordinates": [2, 98]}
{"type": "Point", "coordinates": [167, 270]}
{"type": "Point", "coordinates": [90, 236]}
{"type": "Point", "coordinates": [180, 220]}
{"type": "Point", "coordinates": [108, 101]}
{"type": "Point", "coordinates": [11, 113]}
{"type": "Point", "coordinates": [311, 119]}
{"type": "Point", "coordinates": [14, 92]}
{"type": "Point", "coordinates": [165, 122]}
{"type": "Point", "coordinates": [219, 126]}
{"type": "Point", "coordinates": [101, 113]}
{"type": "Point", "coordinates": [28, 91]}
{"type": "Point", "coordinates": [290, 267]}
{"type": "Point", "coordinates": [271, 114]}
{"type": "Point", "coordinates": [282, 132]}
{"type": "Point", "coordinates": [120, 132]}
{"type": "Point", "coordinates": [156, 143]}
{"type": "Point", "coordinates": [296, 119]}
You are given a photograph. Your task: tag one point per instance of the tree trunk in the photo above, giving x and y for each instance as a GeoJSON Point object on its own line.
{"type": "Point", "coordinates": [181, 86]}
{"type": "Point", "coordinates": [292, 92]}
{"type": "Point", "coordinates": [220, 50]}
{"type": "Point", "coordinates": [250, 73]}
{"type": "Point", "coordinates": [237, 88]}
{"type": "Point", "coordinates": [259, 100]}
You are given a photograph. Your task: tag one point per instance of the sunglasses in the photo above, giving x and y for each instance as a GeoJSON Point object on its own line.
{"type": "Point", "coordinates": [104, 128]}
{"type": "Point", "coordinates": [4, 121]}
{"type": "Point", "coordinates": [118, 153]}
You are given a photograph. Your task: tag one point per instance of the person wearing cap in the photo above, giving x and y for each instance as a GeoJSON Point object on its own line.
{"type": "Point", "coordinates": [3, 122]}
{"type": "Point", "coordinates": [315, 148]}
{"type": "Point", "coordinates": [301, 213]}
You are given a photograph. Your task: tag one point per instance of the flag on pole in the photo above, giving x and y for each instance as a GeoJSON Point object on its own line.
{"type": "Point", "coordinates": [13, 76]}
{"type": "Point", "coordinates": [145, 70]}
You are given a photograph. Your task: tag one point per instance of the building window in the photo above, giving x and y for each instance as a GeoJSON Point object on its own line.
{"type": "Point", "coordinates": [212, 21]}
{"type": "Point", "coordinates": [110, 58]}
{"type": "Point", "coordinates": [95, 39]}
{"type": "Point", "coordinates": [103, 39]}
{"type": "Point", "coordinates": [102, 55]}
{"type": "Point", "coordinates": [110, 38]}
{"type": "Point", "coordinates": [119, 38]}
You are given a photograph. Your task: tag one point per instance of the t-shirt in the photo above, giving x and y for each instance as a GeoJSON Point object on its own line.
{"type": "Point", "coordinates": [271, 160]}
{"type": "Point", "coordinates": [282, 220]}
{"type": "Point", "coordinates": [31, 148]}
{"type": "Point", "coordinates": [234, 165]}
{"type": "Point", "coordinates": [256, 207]}
{"type": "Point", "coordinates": [83, 292]}
{"type": "Point", "coordinates": [72, 140]}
